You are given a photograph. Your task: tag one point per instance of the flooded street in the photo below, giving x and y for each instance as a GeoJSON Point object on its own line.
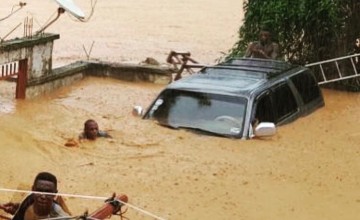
{"type": "Point", "coordinates": [308, 171]}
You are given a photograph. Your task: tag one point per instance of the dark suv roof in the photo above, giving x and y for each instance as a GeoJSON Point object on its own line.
{"type": "Point", "coordinates": [235, 76]}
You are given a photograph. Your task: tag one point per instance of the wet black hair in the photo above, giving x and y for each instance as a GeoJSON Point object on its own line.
{"type": "Point", "coordinates": [46, 176]}
{"type": "Point", "coordinates": [89, 121]}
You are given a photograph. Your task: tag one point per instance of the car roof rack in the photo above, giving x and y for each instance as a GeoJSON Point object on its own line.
{"type": "Point", "coordinates": [269, 68]}
{"type": "Point", "coordinates": [255, 62]}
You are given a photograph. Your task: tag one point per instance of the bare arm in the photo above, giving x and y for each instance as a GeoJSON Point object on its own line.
{"type": "Point", "coordinates": [10, 207]}
{"type": "Point", "coordinates": [275, 51]}
{"type": "Point", "coordinates": [256, 51]}
{"type": "Point", "coordinates": [249, 50]}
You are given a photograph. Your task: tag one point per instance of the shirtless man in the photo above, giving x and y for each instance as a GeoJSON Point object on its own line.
{"type": "Point", "coordinates": [37, 205]}
{"type": "Point", "coordinates": [264, 48]}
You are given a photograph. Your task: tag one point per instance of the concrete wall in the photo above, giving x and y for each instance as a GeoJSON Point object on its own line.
{"type": "Point", "coordinates": [41, 78]}
{"type": "Point", "coordinates": [37, 49]}
{"type": "Point", "coordinates": [66, 75]}
{"type": "Point", "coordinates": [131, 72]}
{"type": "Point", "coordinates": [44, 88]}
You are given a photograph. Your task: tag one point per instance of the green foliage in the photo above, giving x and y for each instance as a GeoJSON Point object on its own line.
{"type": "Point", "coordinates": [307, 30]}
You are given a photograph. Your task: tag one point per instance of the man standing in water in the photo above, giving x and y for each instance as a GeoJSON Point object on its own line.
{"type": "Point", "coordinates": [37, 205]}
{"type": "Point", "coordinates": [264, 48]}
{"type": "Point", "coordinates": [91, 131]}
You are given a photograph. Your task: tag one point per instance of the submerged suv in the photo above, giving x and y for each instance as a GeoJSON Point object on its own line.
{"type": "Point", "coordinates": [239, 98]}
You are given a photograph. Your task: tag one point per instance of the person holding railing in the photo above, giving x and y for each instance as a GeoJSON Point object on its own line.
{"type": "Point", "coordinates": [41, 203]}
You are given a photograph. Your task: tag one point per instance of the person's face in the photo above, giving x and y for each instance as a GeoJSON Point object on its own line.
{"type": "Point", "coordinates": [44, 202]}
{"type": "Point", "coordinates": [91, 130]}
{"type": "Point", "coordinates": [264, 36]}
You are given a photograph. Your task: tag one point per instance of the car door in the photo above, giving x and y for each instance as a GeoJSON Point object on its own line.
{"type": "Point", "coordinates": [277, 104]}
{"type": "Point", "coordinates": [285, 106]}
{"type": "Point", "coordinates": [263, 110]}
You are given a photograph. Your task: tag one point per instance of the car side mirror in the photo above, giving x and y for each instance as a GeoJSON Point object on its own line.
{"type": "Point", "coordinates": [137, 111]}
{"type": "Point", "coordinates": [265, 129]}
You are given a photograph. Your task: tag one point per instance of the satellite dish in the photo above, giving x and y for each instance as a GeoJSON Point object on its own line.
{"type": "Point", "coordinates": [65, 5]}
{"type": "Point", "coordinates": [70, 7]}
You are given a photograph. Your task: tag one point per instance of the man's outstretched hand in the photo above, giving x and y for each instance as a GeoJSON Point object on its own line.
{"type": "Point", "coordinates": [10, 207]}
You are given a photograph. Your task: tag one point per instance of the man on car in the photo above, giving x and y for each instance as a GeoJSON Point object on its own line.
{"type": "Point", "coordinates": [264, 48]}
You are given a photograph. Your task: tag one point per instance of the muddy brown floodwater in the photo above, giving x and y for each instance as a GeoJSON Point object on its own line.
{"type": "Point", "coordinates": [309, 170]}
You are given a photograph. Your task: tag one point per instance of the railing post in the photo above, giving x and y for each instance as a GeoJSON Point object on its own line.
{"type": "Point", "coordinates": [22, 79]}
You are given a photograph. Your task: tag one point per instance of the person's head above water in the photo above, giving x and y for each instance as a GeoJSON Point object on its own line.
{"type": "Point", "coordinates": [91, 129]}
{"type": "Point", "coordinates": [92, 132]}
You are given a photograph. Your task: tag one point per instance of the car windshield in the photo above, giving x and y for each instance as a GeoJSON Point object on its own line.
{"type": "Point", "coordinates": [214, 113]}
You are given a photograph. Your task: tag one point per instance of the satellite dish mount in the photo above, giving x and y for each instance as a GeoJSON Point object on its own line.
{"type": "Point", "coordinates": [59, 12]}
{"type": "Point", "coordinates": [68, 6]}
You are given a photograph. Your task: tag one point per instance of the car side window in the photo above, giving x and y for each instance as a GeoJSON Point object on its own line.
{"type": "Point", "coordinates": [264, 108]}
{"type": "Point", "coordinates": [307, 86]}
{"type": "Point", "coordinates": [284, 102]}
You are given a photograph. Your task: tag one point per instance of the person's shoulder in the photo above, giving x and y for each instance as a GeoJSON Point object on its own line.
{"type": "Point", "coordinates": [23, 206]}
{"type": "Point", "coordinates": [103, 134]}
{"type": "Point", "coordinates": [58, 211]}
{"type": "Point", "coordinates": [82, 136]}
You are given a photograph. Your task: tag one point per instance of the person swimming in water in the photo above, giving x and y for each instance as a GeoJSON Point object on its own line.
{"type": "Point", "coordinates": [91, 131]}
